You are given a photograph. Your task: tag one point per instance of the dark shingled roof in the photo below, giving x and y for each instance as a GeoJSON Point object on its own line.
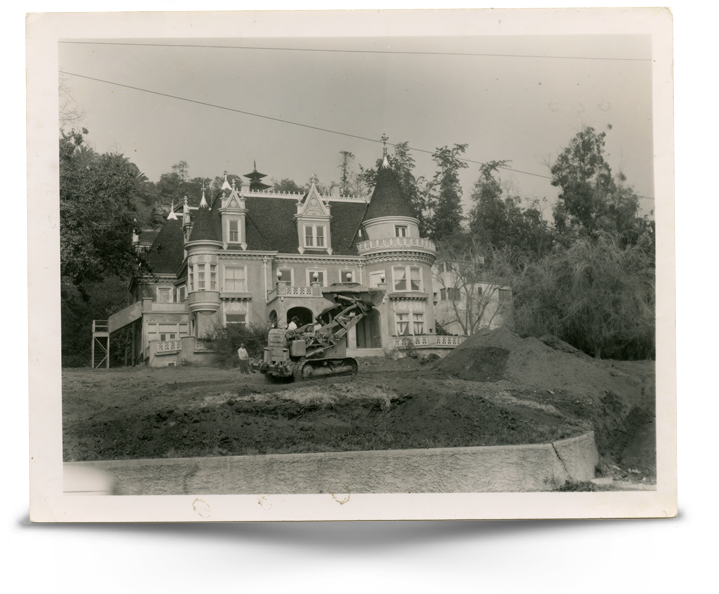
{"type": "Point", "coordinates": [388, 200]}
{"type": "Point", "coordinates": [167, 253]}
{"type": "Point", "coordinates": [206, 223]}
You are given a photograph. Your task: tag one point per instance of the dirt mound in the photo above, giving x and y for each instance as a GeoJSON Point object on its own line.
{"type": "Point", "coordinates": [491, 355]}
{"type": "Point", "coordinates": [618, 402]}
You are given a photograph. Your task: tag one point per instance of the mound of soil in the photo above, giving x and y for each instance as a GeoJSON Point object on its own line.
{"type": "Point", "coordinates": [618, 401]}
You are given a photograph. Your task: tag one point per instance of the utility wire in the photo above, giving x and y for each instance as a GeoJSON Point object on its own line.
{"type": "Point", "coordinates": [343, 51]}
{"type": "Point", "coordinates": [266, 117]}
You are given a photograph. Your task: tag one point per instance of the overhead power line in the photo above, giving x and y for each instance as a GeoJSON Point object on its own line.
{"type": "Point", "coordinates": [283, 121]}
{"type": "Point", "coordinates": [348, 51]}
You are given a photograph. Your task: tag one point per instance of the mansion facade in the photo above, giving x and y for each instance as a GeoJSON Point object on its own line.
{"type": "Point", "coordinates": [254, 256]}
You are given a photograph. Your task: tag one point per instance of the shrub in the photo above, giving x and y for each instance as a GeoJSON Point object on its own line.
{"type": "Point", "coordinates": [226, 341]}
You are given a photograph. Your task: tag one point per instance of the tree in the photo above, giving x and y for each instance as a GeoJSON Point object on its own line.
{"type": "Point", "coordinates": [498, 220]}
{"type": "Point", "coordinates": [97, 214]}
{"type": "Point", "coordinates": [475, 289]}
{"type": "Point", "coordinates": [345, 178]}
{"type": "Point", "coordinates": [591, 199]}
{"type": "Point", "coordinates": [447, 217]}
{"type": "Point", "coordinates": [287, 185]}
{"type": "Point", "coordinates": [597, 294]}
{"type": "Point", "coordinates": [70, 112]}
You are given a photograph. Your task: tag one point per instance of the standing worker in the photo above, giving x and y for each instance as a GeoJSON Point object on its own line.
{"type": "Point", "coordinates": [293, 324]}
{"type": "Point", "coordinates": [244, 359]}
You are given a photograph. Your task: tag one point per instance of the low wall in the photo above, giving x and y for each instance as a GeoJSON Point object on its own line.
{"type": "Point", "coordinates": [536, 467]}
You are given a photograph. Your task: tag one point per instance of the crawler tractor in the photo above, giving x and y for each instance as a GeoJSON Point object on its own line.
{"type": "Point", "coordinates": [319, 350]}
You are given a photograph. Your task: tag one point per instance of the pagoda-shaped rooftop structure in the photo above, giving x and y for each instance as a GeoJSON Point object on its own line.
{"type": "Point", "coordinates": [255, 184]}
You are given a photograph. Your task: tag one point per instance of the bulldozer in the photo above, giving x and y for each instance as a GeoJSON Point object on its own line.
{"type": "Point", "coordinates": [319, 349]}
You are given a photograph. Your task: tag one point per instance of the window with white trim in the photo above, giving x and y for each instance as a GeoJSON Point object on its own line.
{"type": "Point", "coordinates": [234, 231]}
{"type": "Point", "coordinates": [164, 294]}
{"type": "Point", "coordinates": [213, 277]}
{"type": "Point", "coordinates": [190, 278]}
{"type": "Point", "coordinates": [235, 279]}
{"type": "Point", "coordinates": [315, 236]}
{"type": "Point", "coordinates": [418, 319]}
{"type": "Point", "coordinates": [181, 291]}
{"type": "Point", "coordinates": [402, 324]}
{"type": "Point", "coordinates": [321, 276]}
{"type": "Point", "coordinates": [407, 278]}
{"type": "Point", "coordinates": [343, 275]}
{"type": "Point", "coordinates": [400, 231]}
{"type": "Point", "coordinates": [285, 275]}
{"type": "Point", "coordinates": [200, 272]}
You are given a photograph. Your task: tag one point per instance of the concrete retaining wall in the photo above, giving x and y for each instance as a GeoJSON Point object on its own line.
{"type": "Point", "coordinates": [536, 467]}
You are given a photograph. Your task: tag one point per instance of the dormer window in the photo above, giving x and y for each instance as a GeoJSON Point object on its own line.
{"type": "Point", "coordinates": [400, 231]}
{"type": "Point", "coordinates": [315, 236]}
{"type": "Point", "coordinates": [234, 231]}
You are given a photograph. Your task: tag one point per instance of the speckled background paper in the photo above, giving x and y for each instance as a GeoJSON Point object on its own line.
{"type": "Point", "coordinates": [696, 73]}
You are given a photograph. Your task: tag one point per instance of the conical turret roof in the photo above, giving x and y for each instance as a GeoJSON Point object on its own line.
{"type": "Point", "coordinates": [206, 225]}
{"type": "Point", "coordinates": [388, 199]}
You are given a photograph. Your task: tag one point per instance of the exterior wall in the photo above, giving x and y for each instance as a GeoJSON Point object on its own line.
{"type": "Point", "coordinates": [384, 227]}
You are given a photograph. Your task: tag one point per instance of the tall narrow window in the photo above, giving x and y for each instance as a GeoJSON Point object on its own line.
{"type": "Point", "coordinates": [415, 279]}
{"type": "Point", "coordinates": [234, 231]}
{"type": "Point", "coordinates": [191, 278]}
{"type": "Point", "coordinates": [320, 236]}
{"type": "Point", "coordinates": [201, 277]}
{"type": "Point", "coordinates": [418, 323]}
{"type": "Point", "coordinates": [235, 280]}
{"type": "Point", "coordinates": [400, 279]}
{"type": "Point", "coordinates": [308, 236]}
{"type": "Point", "coordinates": [402, 320]}
{"type": "Point", "coordinates": [213, 277]}
{"type": "Point", "coordinates": [181, 294]}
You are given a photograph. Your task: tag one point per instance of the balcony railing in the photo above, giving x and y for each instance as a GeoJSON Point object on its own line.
{"type": "Point", "coordinates": [429, 340]}
{"type": "Point", "coordinates": [283, 289]}
{"type": "Point", "coordinates": [169, 346]}
{"type": "Point", "coordinates": [396, 243]}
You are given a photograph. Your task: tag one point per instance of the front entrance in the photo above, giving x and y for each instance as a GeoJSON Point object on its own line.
{"type": "Point", "coordinates": [369, 334]}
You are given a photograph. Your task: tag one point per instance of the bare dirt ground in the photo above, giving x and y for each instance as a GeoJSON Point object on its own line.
{"type": "Point", "coordinates": [497, 389]}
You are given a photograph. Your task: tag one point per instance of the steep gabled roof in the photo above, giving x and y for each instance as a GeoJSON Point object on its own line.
{"type": "Point", "coordinates": [388, 199]}
{"type": "Point", "coordinates": [167, 250]}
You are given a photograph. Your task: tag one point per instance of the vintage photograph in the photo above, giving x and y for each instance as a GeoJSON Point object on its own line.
{"type": "Point", "coordinates": [348, 265]}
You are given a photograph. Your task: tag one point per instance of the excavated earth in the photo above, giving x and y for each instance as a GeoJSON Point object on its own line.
{"type": "Point", "coordinates": [495, 389]}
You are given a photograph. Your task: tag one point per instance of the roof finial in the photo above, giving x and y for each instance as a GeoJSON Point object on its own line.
{"type": "Point", "coordinates": [254, 165]}
{"type": "Point", "coordinates": [385, 138]}
{"type": "Point", "coordinates": [203, 202]}
{"type": "Point", "coordinates": [172, 216]}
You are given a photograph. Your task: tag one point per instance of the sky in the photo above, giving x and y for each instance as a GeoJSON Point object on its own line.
{"type": "Point", "coordinates": [521, 100]}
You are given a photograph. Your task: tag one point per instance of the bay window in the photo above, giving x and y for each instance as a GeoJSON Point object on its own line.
{"type": "Point", "coordinates": [407, 278]}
